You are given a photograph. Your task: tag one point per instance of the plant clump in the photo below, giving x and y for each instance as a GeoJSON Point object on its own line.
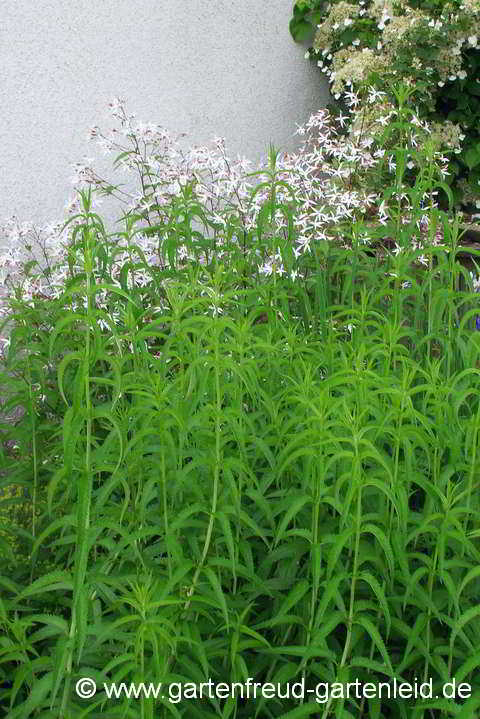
{"type": "Point", "coordinates": [248, 421]}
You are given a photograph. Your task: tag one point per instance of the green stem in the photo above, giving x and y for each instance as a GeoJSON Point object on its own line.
{"type": "Point", "coordinates": [348, 639]}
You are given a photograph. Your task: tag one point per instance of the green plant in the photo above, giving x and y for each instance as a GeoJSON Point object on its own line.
{"type": "Point", "coordinates": [252, 426]}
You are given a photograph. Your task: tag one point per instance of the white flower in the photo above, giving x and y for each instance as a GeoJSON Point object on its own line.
{"type": "Point", "coordinates": [374, 95]}
{"type": "Point", "coordinates": [440, 84]}
{"type": "Point", "coordinates": [347, 22]}
{"type": "Point", "coordinates": [475, 282]}
{"type": "Point", "coordinates": [266, 269]}
{"type": "Point", "coordinates": [397, 249]}
{"type": "Point", "coordinates": [472, 40]}
{"type": "Point", "coordinates": [215, 310]}
{"type": "Point", "coordinates": [307, 55]}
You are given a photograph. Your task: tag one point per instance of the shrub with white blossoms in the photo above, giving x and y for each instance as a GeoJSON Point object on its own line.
{"type": "Point", "coordinates": [386, 36]}
{"type": "Point", "coordinates": [432, 47]}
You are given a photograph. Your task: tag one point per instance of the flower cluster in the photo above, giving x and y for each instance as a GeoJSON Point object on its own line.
{"type": "Point", "coordinates": [395, 32]}
{"type": "Point", "coordinates": [340, 17]}
{"type": "Point", "coordinates": [447, 134]}
{"type": "Point", "coordinates": [352, 66]}
{"type": "Point", "coordinates": [27, 247]}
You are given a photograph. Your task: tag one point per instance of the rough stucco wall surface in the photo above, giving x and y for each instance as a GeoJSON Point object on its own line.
{"type": "Point", "coordinates": [205, 67]}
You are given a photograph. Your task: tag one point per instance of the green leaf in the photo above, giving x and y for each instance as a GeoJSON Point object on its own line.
{"type": "Point", "coordinates": [339, 542]}
{"type": "Point", "coordinates": [49, 583]}
{"type": "Point", "coordinates": [461, 621]}
{"type": "Point", "coordinates": [330, 591]}
{"type": "Point", "coordinates": [383, 541]}
{"type": "Point", "coordinates": [300, 30]}
{"type": "Point", "coordinates": [61, 324]}
{"type": "Point", "coordinates": [469, 666]}
{"type": "Point", "coordinates": [217, 590]}
{"type": "Point", "coordinates": [36, 699]}
{"type": "Point", "coordinates": [59, 624]}
{"type": "Point", "coordinates": [61, 654]}
{"type": "Point", "coordinates": [294, 597]}
{"type": "Point", "coordinates": [300, 9]}
{"type": "Point", "coordinates": [228, 537]}
{"type": "Point", "coordinates": [374, 634]}
{"type": "Point", "coordinates": [471, 158]}
{"type": "Point", "coordinates": [379, 594]}
{"type": "Point", "coordinates": [292, 511]}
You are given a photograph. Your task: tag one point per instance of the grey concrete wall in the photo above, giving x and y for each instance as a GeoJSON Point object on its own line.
{"type": "Point", "coordinates": [207, 67]}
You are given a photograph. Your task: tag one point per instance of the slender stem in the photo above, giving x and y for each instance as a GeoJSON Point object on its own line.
{"type": "Point", "coordinates": [216, 473]}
